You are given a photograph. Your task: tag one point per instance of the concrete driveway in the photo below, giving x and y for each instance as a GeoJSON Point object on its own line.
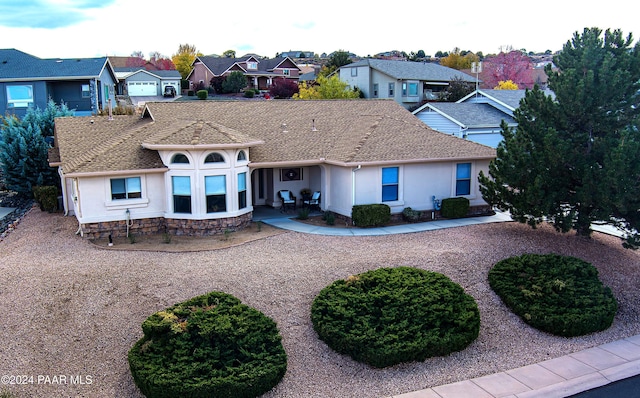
{"type": "Point", "coordinates": [141, 100]}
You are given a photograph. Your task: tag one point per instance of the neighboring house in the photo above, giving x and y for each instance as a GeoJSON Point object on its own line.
{"type": "Point", "coordinates": [298, 54]}
{"type": "Point", "coordinates": [200, 168]}
{"type": "Point", "coordinates": [408, 83]}
{"type": "Point", "coordinates": [260, 72]}
{"type": "Point", "coordinates": [476, 117]}
{"type": "Point", "coordinates": [136, 82]}
{"type": "Point", "coordinates": [85, 84]}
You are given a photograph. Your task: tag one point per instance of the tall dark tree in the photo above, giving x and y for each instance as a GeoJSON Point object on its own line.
{"type": "Point", "coordinates": [235, 82]}
{"type": "Point", "coordinates": [574, 159]}
{"type": "Point", "coordinates": [336, 60]}
{"type": "Point", "coordinates": [24, 149]}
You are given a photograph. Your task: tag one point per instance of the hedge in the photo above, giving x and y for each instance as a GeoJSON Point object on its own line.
{"type": "Point", "coordinates": [457, 207]}
{"type": "Point", "coordinates": [372, 215]}
{"type": "Point", "coordinates": [211, 345]}
{"type": "Point", "coordinates": [557, 294]}
{"type": "Point", "coordinates": [392, 315]}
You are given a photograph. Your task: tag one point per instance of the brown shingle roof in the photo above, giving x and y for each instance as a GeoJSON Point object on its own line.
{"type": "Point", "coordinates": [346, 132]}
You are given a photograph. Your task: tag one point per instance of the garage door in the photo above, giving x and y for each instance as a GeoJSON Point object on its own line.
{"type": "Point", "coordinates": [142, 88]}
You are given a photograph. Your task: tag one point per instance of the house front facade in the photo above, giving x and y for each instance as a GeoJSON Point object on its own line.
{"type": "Point", "coordinates": [407, 83]}
{"type": "Point", "coordinates": [260, 72]}
{"type": "Point", "coordinates": [200, 168]}
{"type": "Point", "coordinates": [85, 85]}
{"type": "Point", "coordinates": [136, 82]}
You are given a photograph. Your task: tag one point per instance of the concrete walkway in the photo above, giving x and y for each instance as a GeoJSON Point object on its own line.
{"type": "Point", "coordinates": [559, 377]}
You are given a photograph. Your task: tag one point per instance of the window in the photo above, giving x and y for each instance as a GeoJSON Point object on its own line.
{"type": "Point", "coordinates": [392, 89]}
{"type": "Point", "coordinates": [390, 178]}
{"type": "Point", "coordinates": [214, 157]}
{"type": "Point", "coordinates": [463, 179]}
{"type": "Point", "coordinates": [242, 156]}
{"type": "Point", "coordinates": [181, 188]}
{"type": "Point", "coordinates": [354, 72]}
{"type": "Point", "coordinates": [252, 65]}
{"type": "Point", "coordinates": [85, 91]}
{"type": "Point", "coordinates": [242, 190]}
{"type": "Point", "coordinates": [375, 90]}
{"type": "Point", "coordinates": [410, 89]}
{"type": "Point", "coordinates": [180, 158]}
{"type": "Point", "coordinates": [286, 72]}
{"type": "Point", "coordinates": [216, 192]}
{"type": "Point", "coordinates": [20, 96]}
{"type": "Point", "coordinates": [126, 188]}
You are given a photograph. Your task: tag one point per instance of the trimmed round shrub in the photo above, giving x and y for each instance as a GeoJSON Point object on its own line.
{"type": "Point", "coordinates": [209, 346]}
{"type": "Point", "coordinates": [560, 295]}
{"type": "Point", "coordinates": [202, 94]}
{"type": "Point", "coordinates": [393, 315]}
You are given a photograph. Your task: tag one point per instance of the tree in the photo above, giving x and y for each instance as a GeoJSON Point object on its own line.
{"type": "Point", "coordinates": [135, 60]}
{"type": "Point", "coordinates": [326, 88]}
{"type": "Point", "coordinates": [336, 60]}
{"type": "Point", "coordinates": [235, 82]}
{"type": "Point", "coordinates": [513, 65]}
{"type": "Point", "coordinates": [283, 88]}
{"type": "Point", "coordinates": [458, 88]}
{"type": "Point", "coordinates": [506, 85]}
{"type": "Point", "coordinates": [184, 58]}
{"type": "Point", "coordinates": [160, 61]}
{"type": "Point", "coordinates": [229, 54]}
{"type": "Point", "coordinates": [459, 59]}
{"type": "Point", "coordinates": [573, 160]}
{"type": "Point", "coordinates": [24, 150]}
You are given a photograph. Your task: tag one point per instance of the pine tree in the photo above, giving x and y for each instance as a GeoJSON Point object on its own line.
{"type": "Point", "coordinates": [24, 151]}
{"type": "Point", "coordinates": [573, 159]}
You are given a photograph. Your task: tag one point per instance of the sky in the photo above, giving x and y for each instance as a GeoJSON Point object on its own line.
{"type": "Point", "coordinates": [96, 28]}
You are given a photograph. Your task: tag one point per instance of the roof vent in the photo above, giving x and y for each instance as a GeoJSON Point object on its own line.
{"type": "Point", "coordinates": [313, 125]}
{"type": "Point", "coordinates": [284, 127]}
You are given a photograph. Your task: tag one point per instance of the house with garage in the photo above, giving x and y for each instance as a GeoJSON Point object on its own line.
{"type": "Point", "coordinates": [86, 85]}
{"type": "Point", "coordinates": [476, 117]}
{"type": "Point", "coordinates": [200, 168]}
{"type": "Point", "coordinates": [408, 83]}
{"type": "Point", "coordinates": [139, 82]}
{"type": "Point", "coordinates": [260, 72]}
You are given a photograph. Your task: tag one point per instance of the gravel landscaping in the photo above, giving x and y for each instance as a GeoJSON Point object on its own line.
{"type": "Point", "coordinates": [71, 310]}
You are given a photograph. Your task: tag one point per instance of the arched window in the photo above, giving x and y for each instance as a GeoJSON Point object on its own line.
{"type": "Point", "coordinates": [242, 156]}
{"type": "Point", "coordinates": [180, 158]}
{"type": "Point", "coordinates": [214, 157]}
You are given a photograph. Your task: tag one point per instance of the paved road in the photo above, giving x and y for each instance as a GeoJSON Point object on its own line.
{"type": "Point", "coordinates": [626, 388]}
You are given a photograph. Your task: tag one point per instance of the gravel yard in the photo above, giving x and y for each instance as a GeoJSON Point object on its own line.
{"type": "Point", "coordinates": [70, 310]}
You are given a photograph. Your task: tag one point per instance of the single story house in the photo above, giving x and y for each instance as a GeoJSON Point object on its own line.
{"type": "Point", "coordinates": [408, 83]}
{"type": "Point", "coordinates": [86, 85]}
{"type": "Point", "coordinates": [476, 117]}
{"type": "Point", "coordinates": [200, 168]}
{"type": "Point", "coordinates": [136, 82]}
{"type": "Point", "coordinates": [260, 72]}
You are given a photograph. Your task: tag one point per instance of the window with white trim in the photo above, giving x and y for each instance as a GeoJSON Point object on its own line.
{"type": "Point", "coordinates": [242, 156]}
{"type": "Point", "coordinates": [180, 158]}
{"type": "Point", "coordinates": [375, 90]}
{"type": "Point", "coordinates": [126, 188]}
{"type": "Point", "coordinates": [214, 157]}
{"type": "Point", "coordinates": [216, 193]}
{"type": "Point", "coordinates": [86, 92]}
{"type": "Point", "coordinates": [181, 190]}
{"type": "Point", "coordinates": [354, 72]}
{"type": "Point", "coordinates": [390, 183]}
{"type": "Point", "coordinates": [20, 96]}
{"type": "Point", "coordinates": [392, 89]}
{"type": "Point", "coordinates": [242, 190]}
{"type": "Point", "coordinates": [463, 179]}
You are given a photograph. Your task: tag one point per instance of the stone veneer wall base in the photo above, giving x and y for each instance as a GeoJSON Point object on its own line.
{"type": "Point", "coordinates": [172, 226]}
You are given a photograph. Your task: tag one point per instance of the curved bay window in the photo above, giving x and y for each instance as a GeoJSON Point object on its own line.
{"type": "Point", "coordinates": [180, 158]}
{"type": "Point", "coordinates": [242, 190]}
{"type": "Point", "coordinates": [242, 157]}
{"type": "Point", "coordinates": [181, 189]}
{"type": "Point", "coordinates": [214, 157]}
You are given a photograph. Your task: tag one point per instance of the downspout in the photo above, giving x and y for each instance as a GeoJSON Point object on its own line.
{"type": "Point", "coordinates": [353, 184]}
{"type": "Point", "coordinates": [63, 185]}
{"type": "Point", "coordinates": [76, 201]}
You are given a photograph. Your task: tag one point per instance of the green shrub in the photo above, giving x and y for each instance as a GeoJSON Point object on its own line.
{"type": "Point", "coordinates": [190, 93]}
{"type": "Point", "coordinates": [249, 93]}
{"type": "Point", "coordinates": [410, 215]}
{"type": "Point", "coordinates": [557, 294]}
{"type": "Point", "coordinates": [329, 218]}
{"type": "Point", "coordinates": [392, 315]}
{"type": "Point", "coordinates": [202, 94]}
{"type": "Point", "coordinates": [303, 213]}
{"type": "Point", "coordinates": [454, 207]}
{"type": "Point", "coordinates": [46, 197]}
{"type": "Point", "coordinates": [373, 215]}
{"type": "Point", "coordinates": [209, 346]}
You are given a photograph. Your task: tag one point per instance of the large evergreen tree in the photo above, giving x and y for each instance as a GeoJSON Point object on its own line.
{"type": "Point", "coordinates": [574, 159]}
{"type": "Point", "coordinates": [24, 149]}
